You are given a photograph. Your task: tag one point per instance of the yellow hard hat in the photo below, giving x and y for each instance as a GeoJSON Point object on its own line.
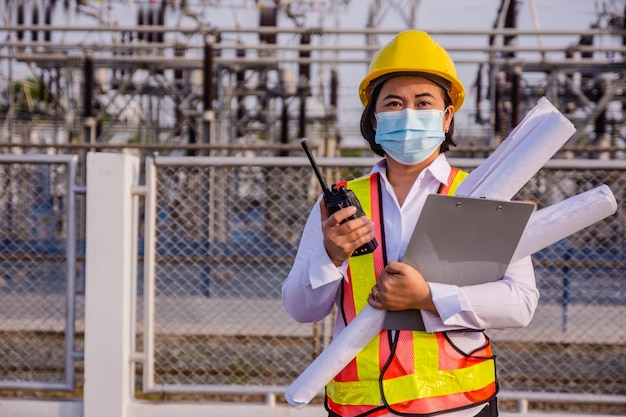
{"type": "Point", "coordinates": [414, 51]}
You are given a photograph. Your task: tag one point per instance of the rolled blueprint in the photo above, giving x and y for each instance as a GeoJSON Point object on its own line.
{"type": "Point", "coordinates": [518, 158]}
{"type": "Point", "coordinates": [365, 326]}
{"type": "Point", "coordinates": [553, 223]}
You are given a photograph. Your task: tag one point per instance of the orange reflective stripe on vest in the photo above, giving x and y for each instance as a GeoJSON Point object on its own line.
{"type": "Point", "coordinates": [428, 375]}
{"type": "Point", "coordinates": [455, 178]}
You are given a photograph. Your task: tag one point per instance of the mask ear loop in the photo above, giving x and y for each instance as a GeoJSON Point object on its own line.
{"type": "Point", "coordinates": [443, 114]}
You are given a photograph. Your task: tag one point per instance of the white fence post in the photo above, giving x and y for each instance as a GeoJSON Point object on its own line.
{"type": "Point", "coordinates": [108, 381]}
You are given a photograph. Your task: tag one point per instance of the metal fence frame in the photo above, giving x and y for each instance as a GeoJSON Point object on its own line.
{"type": "Point", "coordinates": [70, 354]}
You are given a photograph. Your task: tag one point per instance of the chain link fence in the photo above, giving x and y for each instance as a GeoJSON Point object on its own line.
{"type": "Point", "coordinates": [227, 233]}
{"type": "Point", "coordinates": [41, 258]}
{"type": "Point", "coordinates": [225, 239]}
{"type": "Point", "coordinates": [576, 340]}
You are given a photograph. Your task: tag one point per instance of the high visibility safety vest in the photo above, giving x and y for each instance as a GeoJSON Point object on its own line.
{"type": "Point", "coordinates": [411, 373]}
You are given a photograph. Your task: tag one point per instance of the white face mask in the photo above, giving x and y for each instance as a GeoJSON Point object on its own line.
{"type": "Point", "coordinates": [410, 136]}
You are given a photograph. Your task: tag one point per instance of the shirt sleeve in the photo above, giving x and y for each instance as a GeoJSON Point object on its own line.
{"type": "Point", "coordinates": [312, 286]}
{"type": "Point", "coordinates": [507, 303]}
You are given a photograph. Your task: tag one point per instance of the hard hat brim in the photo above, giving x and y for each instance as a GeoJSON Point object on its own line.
{"type": "Point", "coordinates": [373, 79]}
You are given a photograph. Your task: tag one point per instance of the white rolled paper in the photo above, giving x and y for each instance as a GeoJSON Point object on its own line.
{"type": "Point", "coordinates": [518, 158]}
{"type": "Point", "coordinates": [365, 326]}
{"type": "Point", "coordinates": [553, 223]}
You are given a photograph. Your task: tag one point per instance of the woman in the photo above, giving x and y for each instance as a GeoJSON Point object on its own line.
{"type": "Point", "coordinates": [410, 94]}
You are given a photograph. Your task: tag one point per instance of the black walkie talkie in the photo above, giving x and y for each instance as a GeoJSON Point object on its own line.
{"type": "Point", "coordinates": [338, 198]}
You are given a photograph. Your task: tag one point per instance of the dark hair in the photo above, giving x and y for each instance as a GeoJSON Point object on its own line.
{"type": "Point", "coordinates": [369, 133]}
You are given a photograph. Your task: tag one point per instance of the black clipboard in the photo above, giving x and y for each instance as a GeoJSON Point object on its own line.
{"type": "Point", "coordinates": [461, 241]}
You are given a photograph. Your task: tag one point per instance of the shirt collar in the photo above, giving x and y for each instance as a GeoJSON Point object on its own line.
{"type": "Point", "coordinates": [439, 168]}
